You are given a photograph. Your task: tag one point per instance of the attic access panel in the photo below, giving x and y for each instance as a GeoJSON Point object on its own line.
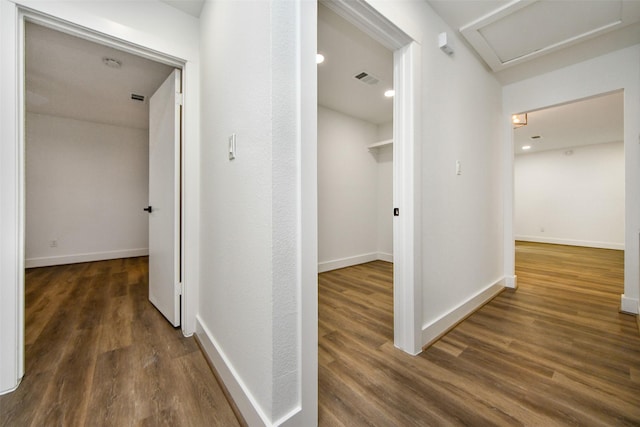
{"type": "Point", "coordinates": [525, 29]}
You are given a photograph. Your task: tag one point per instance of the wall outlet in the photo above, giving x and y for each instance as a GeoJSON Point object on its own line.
{"type": "Point", "coordinates": [53, 244]}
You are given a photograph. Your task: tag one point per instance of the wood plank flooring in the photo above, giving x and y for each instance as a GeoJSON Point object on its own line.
{"type": "Point", "coordinates": [99, 354]}
{"type": "Point", "coordinates": [554, 352]}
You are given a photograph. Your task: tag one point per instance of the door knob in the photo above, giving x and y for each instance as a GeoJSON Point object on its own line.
{"type": "Point", "coordinates": [148, 209]}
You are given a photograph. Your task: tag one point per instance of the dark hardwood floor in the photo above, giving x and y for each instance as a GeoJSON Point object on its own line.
{"type": "Point", "coordinates": [99, 354]}
{"type": "Point", "coordinates": [554, 352]}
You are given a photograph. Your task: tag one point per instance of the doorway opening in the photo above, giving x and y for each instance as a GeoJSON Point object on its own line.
{"type": "Point", "coordinates": [86, 154]}
{"type": "Point", "coordinates": [407, 317]}
{"type": "Point", "coordinates": [569, 183]}
{"type": "Point", "coordinates": [355, 146]}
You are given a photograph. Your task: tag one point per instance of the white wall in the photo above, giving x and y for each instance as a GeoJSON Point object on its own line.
{"type": "Point", "coordinates": [607, 73]}
{"type": "Point", "coordinates": [236, 229]}
{"type": "Point", "coordinates": [575, 199]}
{"type": "Point", "coordinates": [460, 216]}
{"type": "Point", "coordinates": [384, 157]}
{"type": "Point", "coordinates": [347, 196]}
{"type": "Point", "coordinates": [151, 28]}
{"type": "Point", "coordinates": [252, 243]}
{"type": "Point", "coordinates": [86, 185]}
{"type": "Point", "coordinates": [355, 192]}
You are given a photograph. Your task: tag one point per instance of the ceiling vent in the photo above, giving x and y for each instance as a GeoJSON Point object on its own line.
{"type": "Point", "coordinates": [136, 97]}
{"type": "Point", "coordinates": [367, 78]}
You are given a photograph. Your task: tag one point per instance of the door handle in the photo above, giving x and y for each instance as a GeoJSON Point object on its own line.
{"type": "Point", "coordinates": [148, 209]}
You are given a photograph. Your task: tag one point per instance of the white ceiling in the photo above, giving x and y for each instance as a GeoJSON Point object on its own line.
{"type": "Point", "coordinates": [65, 77]}
{"type": "Point", "coordinates": [349, 51]}
{"type": "Point", "coordinates": [192, 7]}
{"type": "Point", "coordinates": [591, 121]}
{"type": "Point", "coordinates": [522, 38]}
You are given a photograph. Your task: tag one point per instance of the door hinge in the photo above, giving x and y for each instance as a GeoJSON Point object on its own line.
{"type": "Point", "coordinates": [179, 99]}
{"type": "Point", "coordinates": [179, 288]}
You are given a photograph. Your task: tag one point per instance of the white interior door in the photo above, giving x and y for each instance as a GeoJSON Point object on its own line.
{"type": "Point", "coordinates": [164, 198]}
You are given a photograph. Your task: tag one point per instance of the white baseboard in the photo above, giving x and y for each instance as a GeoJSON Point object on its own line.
{"type": "Point", "coordinates": [12, 389]}
{"type": "Point", "coordinates": [629, 305]}
{"type": "Point", "coordinates": [511, 282]}
{"type": "Point", "coordinates": [242, 397]}
{"type": "Point", "coordinates": [88, 257]}
{"type": "Point", "coordinates": [354, 260]}
{"type": "Point", "coordinates": [436, 329]}
{"type": "Point", "coordinates": [570, 242]}
{"type": "Point", "coordinates": [385, 257]}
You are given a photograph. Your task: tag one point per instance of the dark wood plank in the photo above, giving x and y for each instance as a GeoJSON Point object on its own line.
{"type": "Point", "coordinates": [555, 352]}
{"type": "Point", "coordinates": [99, 354]}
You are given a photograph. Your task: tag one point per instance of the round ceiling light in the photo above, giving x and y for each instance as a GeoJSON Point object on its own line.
{"type": "Point", "coordinates": [111, 62]}
{"type": "Point", "coordinates": [389, 93]}
{"type": "Point", "coordinates": [319, 58]}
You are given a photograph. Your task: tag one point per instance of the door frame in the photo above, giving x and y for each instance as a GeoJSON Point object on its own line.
{"type": "Point", "coordinates": [407, 283]}
{"type": "Point", "coordinates": [568, 85]}
{"type": "Point", "coordinates": [12, 175]}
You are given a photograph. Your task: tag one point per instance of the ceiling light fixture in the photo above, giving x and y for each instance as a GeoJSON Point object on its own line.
{"type": "Point", "coordinates": [111, 62]}
{"type": "Point", "coordinates": [389, 93]}
{"type": "Point", "coordinates": [319, 58]}
{"type": "Point", "coordinates": [519, 120]}
{"type": "Point", "coordinates": [526, 147]}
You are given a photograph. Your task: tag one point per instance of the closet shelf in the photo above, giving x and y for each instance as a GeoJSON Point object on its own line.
{"type": "Point", "coordinates": [380, 144]}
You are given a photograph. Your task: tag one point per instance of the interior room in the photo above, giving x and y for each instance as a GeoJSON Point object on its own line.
{"type": "Point", "coordinates": [87, 149]}
{"type": "Point", "coordinates": [569, 174]}
{"type": "Point", "coordinates": [355, 147]}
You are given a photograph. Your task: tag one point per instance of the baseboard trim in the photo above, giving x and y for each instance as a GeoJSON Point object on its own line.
{"type": "Point", "coordinates": [629, 305]}
{"type": "Point", "coordinates": [88, 257]}
{"type": "Point", "coordinates": [570, 242]}
{"type": "Point", "coordinates": [353, 260]}
{"type": "Point", "coordinates": [438, 328]}
{"type": "Point", "coordinates": [12, 389]}
{"type": "Point", "coordinates": [511, 282]}
{"type": "Point", "coordinates": [249, 409]}
{"type": "Point", "coordinates": [223, 386]}
{"type": "Point", "coordinates": [382, 256]}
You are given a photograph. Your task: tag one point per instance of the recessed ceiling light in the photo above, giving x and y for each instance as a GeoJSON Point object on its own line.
{"type": "Point", "coordinates": [526, 147]}
{"type": "Point", "coordinates": [319, 58]}
{"type": "Point", "coordinates": [389, 93]}
{"type": "Point", "coordinates": [111, 62]}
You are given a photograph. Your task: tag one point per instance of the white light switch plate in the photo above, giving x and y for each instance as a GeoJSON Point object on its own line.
{"type": "Point", "coordinates": [232, 146]}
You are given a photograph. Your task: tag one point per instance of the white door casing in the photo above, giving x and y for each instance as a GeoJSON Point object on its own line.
{"type": "Point", "coordinates": [407, 277]}
{"type": "Point", "coordinates": [164, 198]}
{"type": "Point", "coordinates": [176, 46]}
